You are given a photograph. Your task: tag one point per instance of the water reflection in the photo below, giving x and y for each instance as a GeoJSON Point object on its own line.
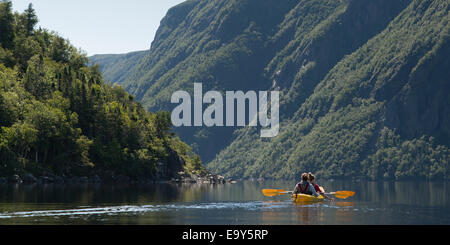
{"type": "Point", "coordinates": [344, 204]}
{"type": "Point", "coordinates": [308, 215]}
{"type": "Point", "coordinates": [242, 203]}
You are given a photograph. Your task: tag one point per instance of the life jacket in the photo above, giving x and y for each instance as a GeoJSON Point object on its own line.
{"type": "Point", "coordinates": [317, 188]}
{"type": "Point", "coordinates": [304, 190]}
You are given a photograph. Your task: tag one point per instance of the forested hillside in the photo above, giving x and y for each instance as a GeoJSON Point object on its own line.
{"type": "Point", "coordinates": [115, 67]}
{"type": "Point", "coordinates": [364, 83]}
{"type": "Point", "coordinates": [58, 117]}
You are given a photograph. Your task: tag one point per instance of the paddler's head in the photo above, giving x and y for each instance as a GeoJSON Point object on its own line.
{"type": "Point", "coordinates": [305, 177]}
{"type": "Point", "coordinates": [311, 177]}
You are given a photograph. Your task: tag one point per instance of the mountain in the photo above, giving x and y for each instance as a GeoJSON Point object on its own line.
{"type": "Point", "coordinates": [114, 66]}
{"type": "Point", "coordinates": [59, 118]}
{"type": "Point", "coordinates": [364, 89]}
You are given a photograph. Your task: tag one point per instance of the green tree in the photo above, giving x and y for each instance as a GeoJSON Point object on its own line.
{"type": "Point", "coordinates": [30, 20]}
{"type": "Point", "coordinates": [59, 49]}
{"type": "Point", "coordinates": [19, 138]}
{"type": "Point", "coordinates": [163, 123]}
{"type": "Point", "coordinates": [26, 22]}
{"type": "Point", "coordinates": [6, 25]}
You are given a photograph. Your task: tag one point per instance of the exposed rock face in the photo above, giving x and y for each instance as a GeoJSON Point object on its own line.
{"type": "Point", "coordinates": [169, 169]}
{"type": "Point", "coordinates": [422, 106]}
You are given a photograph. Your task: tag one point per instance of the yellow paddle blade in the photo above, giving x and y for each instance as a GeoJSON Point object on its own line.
{"type": "Point", "coordinates": [273, 192]}
{"type": "Point", "coordinates": [344, 194]}
{"type": "Point", "coordinates": [341, 196]}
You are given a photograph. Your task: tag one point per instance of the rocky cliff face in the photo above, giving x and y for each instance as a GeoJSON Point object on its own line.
{"type": "Point", "coordinates": [170, 169]}
{"type": "Point", "coordinates": [421, 105]}
{"type": "Point", "coordinates": [364, 84]}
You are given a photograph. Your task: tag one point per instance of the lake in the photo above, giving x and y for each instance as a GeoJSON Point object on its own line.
{"type": "Point", "coordinates": [240, 203]}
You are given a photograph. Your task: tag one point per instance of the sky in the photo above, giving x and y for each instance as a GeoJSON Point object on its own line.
{"type": "Point", "coordinates": [101, 26]}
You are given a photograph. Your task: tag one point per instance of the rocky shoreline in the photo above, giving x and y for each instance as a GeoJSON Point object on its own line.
{"type": "Point", "coordinates": [208, 179]}
{"type": "Point", "coordinates": [181, 178]}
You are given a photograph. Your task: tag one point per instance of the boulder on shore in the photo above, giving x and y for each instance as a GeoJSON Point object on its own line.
{"type": "Point", "coordinates": [15, 179]}
{"type": "Point", "coordinates": [46, 180]}
{"type": "Point", "coordinates": [207, 179]}
{"type": "Point", "coordinates": [3, 180]}
{"type": "Point", "coordinates": [29, 178]}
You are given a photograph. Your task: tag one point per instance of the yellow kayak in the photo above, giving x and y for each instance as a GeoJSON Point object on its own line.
{"type": "Point", "coordinates": [303, 198]}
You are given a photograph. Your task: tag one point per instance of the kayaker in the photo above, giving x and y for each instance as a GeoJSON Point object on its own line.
{"type": "Point", "coordinates": [312, 181]}
{"type": "Point", "coordinates": [304, 187]}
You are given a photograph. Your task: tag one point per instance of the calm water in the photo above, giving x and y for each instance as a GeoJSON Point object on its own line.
{"type": "Point", "coordinates": [240, 203]}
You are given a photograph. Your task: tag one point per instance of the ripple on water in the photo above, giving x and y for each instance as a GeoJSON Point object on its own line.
{"type": "Point", "coordinates": [137, 209]}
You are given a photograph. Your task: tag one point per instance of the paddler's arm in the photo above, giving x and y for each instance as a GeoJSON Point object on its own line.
{"type": "Point", "coordinates": [313, 190]}
{"type": "Point", "coordinates": [326, 197]}
{"type": "Point", "coordinates": [322, 192]}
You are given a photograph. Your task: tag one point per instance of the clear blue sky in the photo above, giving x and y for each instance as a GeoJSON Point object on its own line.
{"type": "Point", "coordinates": [101, 26]}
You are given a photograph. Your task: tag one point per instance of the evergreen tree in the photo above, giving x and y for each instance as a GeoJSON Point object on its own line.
{"type": "Point", "coordinates": [6, 25]}
{"type": "Point", "coordinates": [30, 20]}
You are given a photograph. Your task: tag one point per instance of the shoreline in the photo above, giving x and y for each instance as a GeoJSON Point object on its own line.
{"type": "Point", "coordinates": [180, 178]}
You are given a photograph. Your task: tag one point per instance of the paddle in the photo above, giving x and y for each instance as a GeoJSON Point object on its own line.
{"type": "Point", "coordinates": [342, 194]}
{"type": "Point", "coordinates": [277, 192]}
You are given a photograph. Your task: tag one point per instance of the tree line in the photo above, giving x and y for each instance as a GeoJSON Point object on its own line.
{"type": "Point", "coordinates": [58, 116]}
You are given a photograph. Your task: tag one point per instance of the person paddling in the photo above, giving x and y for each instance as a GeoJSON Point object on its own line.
{"type": "Point", "coordinates": [304, 187]}
{"type": "Point", "coordinates": [312, 181]}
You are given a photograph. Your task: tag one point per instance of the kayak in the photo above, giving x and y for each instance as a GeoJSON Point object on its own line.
{"type": "Point", "coordinates": [303, 198]}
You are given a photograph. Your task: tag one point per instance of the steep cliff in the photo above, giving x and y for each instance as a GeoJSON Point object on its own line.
{"type": "Point", "coordinates": [363, 84]}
